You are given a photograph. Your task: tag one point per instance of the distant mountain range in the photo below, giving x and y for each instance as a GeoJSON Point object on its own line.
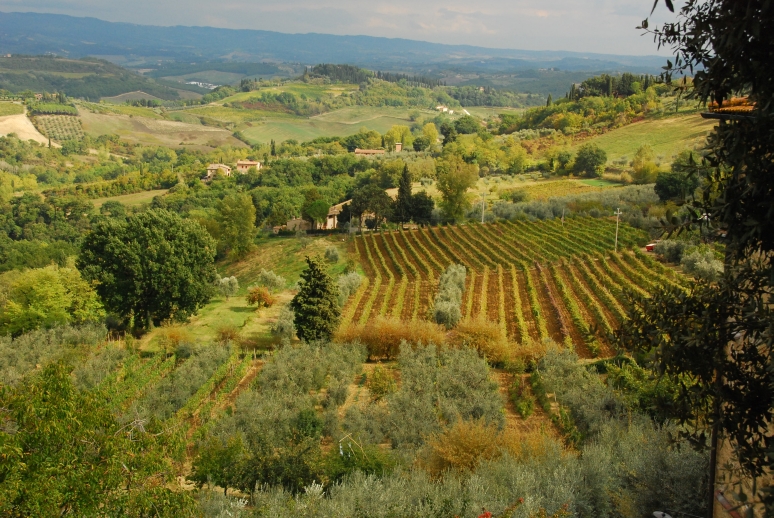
{"type": "Point", "coordinates": [133, 45]}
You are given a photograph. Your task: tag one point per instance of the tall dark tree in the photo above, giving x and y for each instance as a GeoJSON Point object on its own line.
{"type": "Point", "coordinates": [422, 206]}
{"type": "Point", "coordinates": [719, 336]}
{"type": "Point", "coordinates": [371, 199]}
{"type": "Point", "coordinates": [449, 133]}
{"type": "Point", "coordinates": [316, 305]}
{"type": "Point", "coordinates": [402, 211]}
{"type": "Point", "coordinates": [153, 266]}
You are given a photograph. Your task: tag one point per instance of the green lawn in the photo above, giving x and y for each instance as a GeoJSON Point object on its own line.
{"type": "Point", "coordinates": [667, 136]}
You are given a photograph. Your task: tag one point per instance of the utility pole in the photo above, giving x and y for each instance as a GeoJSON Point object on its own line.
{"type": "Point", "coordinates": [617, 220]}
{"type": "Point", "coordinates": [483, 205]}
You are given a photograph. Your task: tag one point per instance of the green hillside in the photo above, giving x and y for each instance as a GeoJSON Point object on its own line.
{"type": "Point", "coordinates": [85, 78]}
{"type": "Point", "coordinates": [667, 136]}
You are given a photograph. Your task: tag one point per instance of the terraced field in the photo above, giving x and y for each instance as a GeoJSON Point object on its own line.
{"type": "Point", "coordinates": [541, 280]}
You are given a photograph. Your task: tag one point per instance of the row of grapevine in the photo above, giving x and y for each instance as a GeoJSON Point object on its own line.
{"type": "Point", "coordinates": [536, 280]}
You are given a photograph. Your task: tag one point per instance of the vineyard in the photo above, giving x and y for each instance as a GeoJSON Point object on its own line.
{"type": "Point", "coordinates": [188, 394]}
{"type": "Point", "coordinates": [545, 280]}
{"type": "Point", "coordinates": [60, 127]}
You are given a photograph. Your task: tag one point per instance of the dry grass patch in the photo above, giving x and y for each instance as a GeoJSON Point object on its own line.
{"type": "Point", "coordinates": [383, 336]}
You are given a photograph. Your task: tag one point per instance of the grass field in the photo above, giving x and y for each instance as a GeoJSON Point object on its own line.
{"type": "Point", "coordinates": [130, 96]}
{"type": "Point", "coordinates": [599, 183]}
{"type": "Point", "coordinates": [131, 200]}
{"type": "Point", "coordinates": [536, 189]}
{"type": "Point", "coordinates": [361, 114]}
{"type": "Point", "coordinates": [10, 109]}
{"type": "Point", "coordinates": [667, 136]}
{"type": "Point", "coordinates": [309, 129]}
{"type": "Point", "coordinates": [155, 132]}
{"type": "Point", "coordinates": [111, 108]}
{"type": "Point", "coordinates": [310, 90]}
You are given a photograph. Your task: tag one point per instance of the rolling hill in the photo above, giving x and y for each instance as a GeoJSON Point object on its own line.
{"type": "Point", "coordinates": [86, 78]}
{"type": "Point", "coordinates": [34, 33]}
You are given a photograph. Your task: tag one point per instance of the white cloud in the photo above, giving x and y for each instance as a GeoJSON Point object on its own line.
{"type": "Point", "coordinates": [604, 26]}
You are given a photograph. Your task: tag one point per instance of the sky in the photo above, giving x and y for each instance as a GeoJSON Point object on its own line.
{"type": "Point", "coordinates": [601, 26]}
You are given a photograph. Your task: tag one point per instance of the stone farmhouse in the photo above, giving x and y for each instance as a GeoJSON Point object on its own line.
{"type": "Point", "coordinates": [244, 165]}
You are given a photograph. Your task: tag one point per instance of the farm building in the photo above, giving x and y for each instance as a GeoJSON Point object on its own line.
{"type": "Point", "coordinates": [298, 224]}
{"type": "Point", "coordinates": [215, 169]}
{"type": "Point", "coordinates": [333, 215]}
{"type": "Point", "coordinates": [369, 152]}
{"type": "Point", "coordinates": [244, 165]}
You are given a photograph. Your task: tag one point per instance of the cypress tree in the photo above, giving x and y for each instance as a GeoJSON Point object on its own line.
{"type": "Point", "coordinates": [550, 100]}
{"type": "Point", "coordinates": [403, 202]}
{"type": "Point", "coordinates": [316, 304]}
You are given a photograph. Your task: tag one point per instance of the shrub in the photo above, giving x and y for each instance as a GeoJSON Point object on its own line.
{"type": "Point", "coordinates": [351, 458]}
{"type": "Point", "coordinates": [348, 285]}
{"type": "Point", "coordinates": [701, 263]}
{"type": "Point", "coordinates": [589, 159]}
{"type": "Point", "coordinates": [227, 286]}
{"type": "Point", "coordinates": [447, 314]}
{"type": "Point", "coordinates": [463, 446]}
{"type": "Point", "coordinates": [170, 338]}
{"type": "Point", "coordinates": [439, 386]}
{"type": "Point", "coordinates": [90, 373]}
{"type": "Point", "coordinates": [383, 336]}
{"type": "Point", "coordinates": [671, 251]}
{"type": "Point", "coordinates": [451, 285]}
{"type": "Point", "coordinates": [259, 296]}
{"type": "Point", "coordinates": [22, 354]}
{"type": "Point", "coordinates": [275, 428]}
{"type": "Point", "coordinates": [227, 333]}
{"type": "Point", "coordinates": [271, 280]}
{"type": "Point", "coordinates": [485, 337]}
{"type": "Point", "coordinates": [284, 326]}
{"type": "Point", "coordinates": [332, 254]}
{"type": "Point", "coordinates": [381, 383]}
{"type": "Point", "coordinates": [521, 398]}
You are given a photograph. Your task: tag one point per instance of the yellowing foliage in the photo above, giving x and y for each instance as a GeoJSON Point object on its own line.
{"type": "Point", "coordinates": [383, 336]}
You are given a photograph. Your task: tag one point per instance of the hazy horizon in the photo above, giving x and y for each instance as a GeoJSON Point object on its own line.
{"type": "Point", "coordinates": [601, 26]}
